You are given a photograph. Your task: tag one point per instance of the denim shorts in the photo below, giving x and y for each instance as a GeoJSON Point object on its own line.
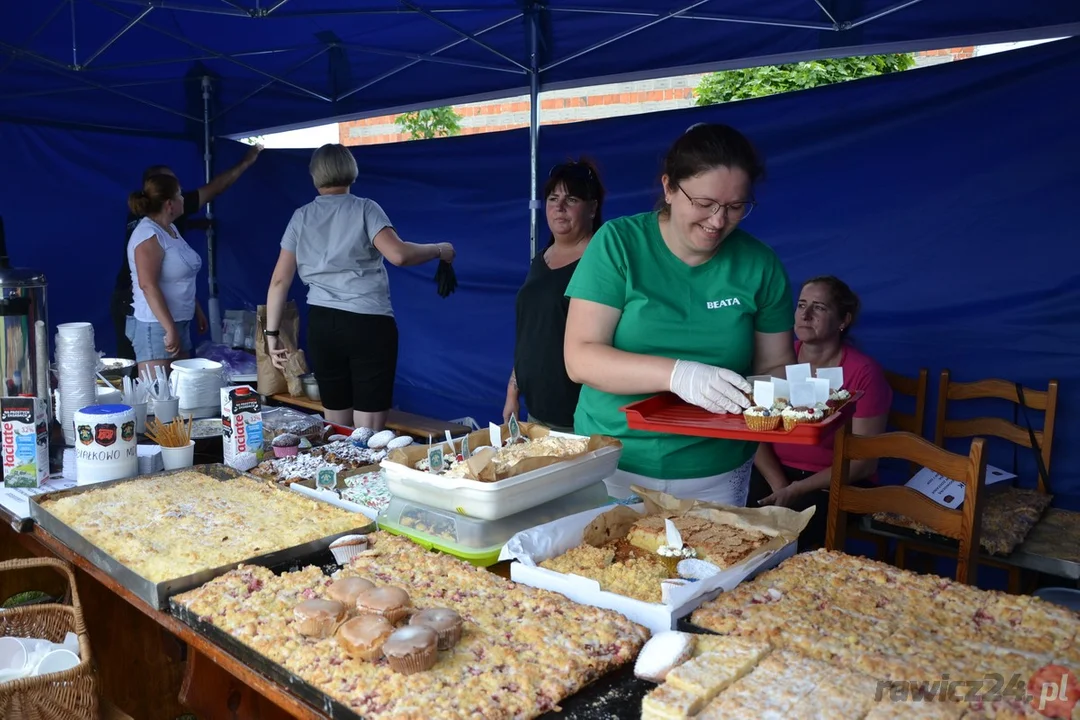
{"type": "Point", "coordinates": [148, 338]}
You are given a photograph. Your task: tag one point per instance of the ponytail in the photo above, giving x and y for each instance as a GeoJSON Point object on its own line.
{"type": "Point", "coordinates": [157, 190]}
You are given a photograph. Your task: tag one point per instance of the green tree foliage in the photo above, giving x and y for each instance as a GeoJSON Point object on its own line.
{"type": "Point", "coordinates": [427, 124]}
{"type": "Point", "coordinates": [754, 82]}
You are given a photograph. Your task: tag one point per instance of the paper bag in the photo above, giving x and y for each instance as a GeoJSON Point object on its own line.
{"type": "Point", "coordinates": [294, 369]}
{"type": "Point", "coordinates": [272, 381]}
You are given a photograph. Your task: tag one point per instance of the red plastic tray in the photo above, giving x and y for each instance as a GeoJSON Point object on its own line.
{"type": "Point", "coordinates": [667, 413]}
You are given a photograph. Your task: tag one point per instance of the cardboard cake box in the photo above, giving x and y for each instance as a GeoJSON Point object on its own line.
{"type": "Point", "coordinates": [597, 527]}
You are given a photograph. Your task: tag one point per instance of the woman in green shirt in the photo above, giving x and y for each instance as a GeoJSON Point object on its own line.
{"type": "Point", "coordinates": [680, 300]}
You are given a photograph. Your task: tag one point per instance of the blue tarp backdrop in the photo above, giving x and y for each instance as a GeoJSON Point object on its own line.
{"type": "Point", "coordinates": [945, 196]}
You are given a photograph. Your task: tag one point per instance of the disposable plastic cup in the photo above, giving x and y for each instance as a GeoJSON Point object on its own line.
{"type": "Point", "coordinates": [140, 417]}
{"type": "Point", "coordinates": [166, 410]}
{"type": "Point", "coordinates": [75, 329]}
{"type": "Point", "coordinates": [178, 458]}
{"type": "Point", "coordinates": [13, 654]}
{"type": "Point", "coordinates": [57, 661]}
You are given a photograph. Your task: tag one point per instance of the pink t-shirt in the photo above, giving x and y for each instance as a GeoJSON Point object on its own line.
{"type": "Point", "coordinates": [861, 372]}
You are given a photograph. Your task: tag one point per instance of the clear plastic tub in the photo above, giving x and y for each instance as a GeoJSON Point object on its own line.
{"type": "Point", "coordinates": [496, 500]}
{"type": "Point", "coordinates": [479, 541]}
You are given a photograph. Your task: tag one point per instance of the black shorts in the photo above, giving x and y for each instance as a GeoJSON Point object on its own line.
{"type": "Point", "coordinates": [354, 358]}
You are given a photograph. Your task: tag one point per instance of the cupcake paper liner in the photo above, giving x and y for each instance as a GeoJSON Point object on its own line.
{"type": "Point", "coordinates": [790, 422]}
{"type": "Point", "coordinates": [346, 547]}
{"type": "Point", "coordinates": [761, 423]}
{"type": "Point", "coordinates": [318, 627]}
{"type": "Point", "coordinates": [449, 638]}
{"type": "Point", "coordinates": [286, 451]}
{"type": "Point", "coordinates": [415, 662]}
{"type": "Point", "coordinates": [394, 615]}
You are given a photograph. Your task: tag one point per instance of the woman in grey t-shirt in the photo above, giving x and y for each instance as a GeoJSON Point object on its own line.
{"type": "Point", "coordinates": [337, 243]}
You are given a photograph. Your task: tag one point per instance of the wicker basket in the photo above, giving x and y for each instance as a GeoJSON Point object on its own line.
{"type": "Point", "coordinates": [68, 695]}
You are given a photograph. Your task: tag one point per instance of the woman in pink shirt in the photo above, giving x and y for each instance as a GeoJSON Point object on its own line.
{"type": "Point", "coordinates": [798, 476]}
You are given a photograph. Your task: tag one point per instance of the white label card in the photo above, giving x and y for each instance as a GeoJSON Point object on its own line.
{"type": "Point", "coordinates": [802, 394]}
{"type": "Point", "coordinates": [781, 389]}
{"type": "Point", "coordinates": [496, 435]}
{"type": "Point", "coordinates": [435, 458]}
{"type": "Point", "coordinates": [797, 373]}
{"type": "Point", "coordinates": [821, 389]}
{"type": "Point", "coordinates": [950, 493]}
{"type": "Point", "coordinates": [835, 376]}
{"type": "Point", "coordinates": [763, 393]}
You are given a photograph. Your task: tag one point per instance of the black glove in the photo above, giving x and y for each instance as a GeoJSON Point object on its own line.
{"type": "Point", "coordinates": [445, 278]}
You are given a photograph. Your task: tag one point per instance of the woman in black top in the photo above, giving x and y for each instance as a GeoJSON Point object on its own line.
{"type": "Point", "coordinates": [575, 200]}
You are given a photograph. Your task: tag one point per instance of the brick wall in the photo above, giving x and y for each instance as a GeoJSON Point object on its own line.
{"type": "Point", "coordinates": [590, 103]}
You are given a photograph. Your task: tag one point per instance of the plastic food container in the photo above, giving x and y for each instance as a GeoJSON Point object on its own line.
{"type": "Point", "coordinates": [495, 500]}
{"type": "Point", "coordinates": [474, 540]}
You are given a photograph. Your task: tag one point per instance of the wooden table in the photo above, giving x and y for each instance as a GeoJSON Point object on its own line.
{"type": "Point", "coordinates": [150, 664]}
{"type": "Point", "coordinates": [418, 426]}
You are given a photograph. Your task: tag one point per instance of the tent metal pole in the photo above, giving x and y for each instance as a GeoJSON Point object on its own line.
{"type": "Point", "coordinates": [213, 310]}
{"type": "Point", "coordinates": [534, 129]}
{"type": "Point", "coordinates": [74, 43]}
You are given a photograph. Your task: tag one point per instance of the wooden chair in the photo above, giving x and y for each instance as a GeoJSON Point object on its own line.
{"type": "Point", "coordinates": [914, 387]}
{"type": "Point", "coordinates": [961, 524]}
{"type": "Point", "coordinates": [1039, 400]}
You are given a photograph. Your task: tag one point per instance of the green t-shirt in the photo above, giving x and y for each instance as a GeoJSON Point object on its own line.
{"type": "Point", "coordinates": [707, 313]}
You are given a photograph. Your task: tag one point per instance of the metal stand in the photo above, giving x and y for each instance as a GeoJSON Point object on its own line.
{"type": "Point", "coordinates": [534, 128]}
{"type": "Point", "coordinates": [213, 310]}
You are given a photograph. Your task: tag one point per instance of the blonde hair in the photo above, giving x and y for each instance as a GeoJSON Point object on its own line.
{"type": "Point", "coordinates": [333, 165]}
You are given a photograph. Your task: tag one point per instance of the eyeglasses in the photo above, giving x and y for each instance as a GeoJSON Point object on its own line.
{"type": "Point", "coordinates": [734, 211]}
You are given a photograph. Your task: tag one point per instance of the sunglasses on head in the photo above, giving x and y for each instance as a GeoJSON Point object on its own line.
{"type": "Point", "coordinates": [575, 168]}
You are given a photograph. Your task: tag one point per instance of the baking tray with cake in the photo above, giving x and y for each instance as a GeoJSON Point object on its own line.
{"type": "Point", "coordinates": [667, 413]}
{"type": "Point", "coordinates": [617, 694]}
{"type": "Point", "coordinates": [158, 535]}
{"type": "Point", "coordinates": [522, 653]}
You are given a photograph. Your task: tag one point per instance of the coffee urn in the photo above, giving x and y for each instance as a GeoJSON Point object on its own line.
{"type": "Point", "coordinates": [24, 331]}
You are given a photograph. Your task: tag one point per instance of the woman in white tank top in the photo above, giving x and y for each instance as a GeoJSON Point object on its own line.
{"type": "Point", "coordinates": [163, 272]}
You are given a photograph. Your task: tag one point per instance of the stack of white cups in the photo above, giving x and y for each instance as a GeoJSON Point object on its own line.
{"type": "Point", "coordinates": [76, 365]}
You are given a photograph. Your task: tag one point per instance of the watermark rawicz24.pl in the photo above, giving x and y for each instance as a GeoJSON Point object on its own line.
{"type": "Point", "coordinates": [1053, 690]}
{"type": "Point", "coordinates": [988, 688]}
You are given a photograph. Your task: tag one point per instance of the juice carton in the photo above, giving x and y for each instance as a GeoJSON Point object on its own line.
{"type": "Point", "coordinates": [24, 442]}
{"type": "Point", "coordinates": [242, 426]}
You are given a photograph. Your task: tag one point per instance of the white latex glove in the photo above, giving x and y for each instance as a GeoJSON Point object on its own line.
{"type": "Point", "coordinates": [714, 389]}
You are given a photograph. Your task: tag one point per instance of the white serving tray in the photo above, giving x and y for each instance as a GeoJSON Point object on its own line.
{"type": "Point", "coordinates": [331, 497]}
{"type": "Point", "coordinates": [530, 547]}
{"type": "Point", "coordinates": [496, 500]}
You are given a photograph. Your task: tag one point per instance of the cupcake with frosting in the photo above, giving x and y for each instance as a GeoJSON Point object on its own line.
{"type": "Point", "coordinates": [674, 550]}
{"type": "Point", "coordinates": [346, 590]}
{"type": "Point", "coordinates": [838, 398]}
{"type": "Point", "coordinates": [760, 418]}
{"type": "Point", "coordinates": [411, 649]}
{"type": "Point", "coordinates": [363, 637]}
{"type": "Point", "coordinates": [672, 556]}
{"type": "Point", "coordinates": [446, 623]}
{"type": "Point", "coordinates": [318, 618]}
{"type": "Point", "coordinates": [388, 601]}
{"type": "Point", "coordinates": [801, 415]}
{"type": "Point", "coordinates": [286, 445]}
